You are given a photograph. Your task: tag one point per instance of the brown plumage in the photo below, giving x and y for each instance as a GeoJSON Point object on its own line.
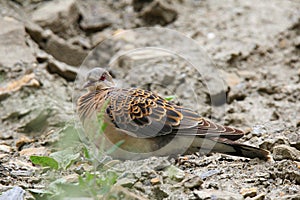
{"type": "Point", "coordinates": [150, 125]}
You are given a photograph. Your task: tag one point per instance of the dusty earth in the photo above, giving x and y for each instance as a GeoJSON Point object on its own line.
{"type": "Point", "coordinates": [253, 45]}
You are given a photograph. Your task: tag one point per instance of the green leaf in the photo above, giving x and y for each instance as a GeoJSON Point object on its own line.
{"type": "Point", "coordinates": [68, 136]}
{"type": "Point", "coordinates": [100, 116]}
{"type": "Point", "coordinates": [44, 161]}
{"type": "Point", "coordinates": [115, 147]}
{"type": "Point", "coordinates": [103, 127]}
{"type": "Point", "coordinates": [65, 158]}
{"type": "Point", "coordinates": [90, 177]}
{"type": "Point", "coordinates": [106, 182]}
{"type": "Point", "coordinates": [86, 153]}
{"type": "Point", "coordinates": [81, 183]}
{"type": "Point", "coordinates": [170, 98]}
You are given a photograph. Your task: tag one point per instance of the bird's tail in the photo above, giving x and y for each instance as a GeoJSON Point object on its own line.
{"type": "Point", "coordinates": [226, 146]}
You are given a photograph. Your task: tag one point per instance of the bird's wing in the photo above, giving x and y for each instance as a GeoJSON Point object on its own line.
{"type": "Point", "coordinates": [144, 114]}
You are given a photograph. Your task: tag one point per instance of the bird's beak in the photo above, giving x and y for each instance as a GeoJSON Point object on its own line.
{"type": "Point", "coordinates": [88, 84]}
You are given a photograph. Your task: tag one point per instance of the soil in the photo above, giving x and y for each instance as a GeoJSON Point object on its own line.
{"type": "Point", "coordinates": [242, 69]}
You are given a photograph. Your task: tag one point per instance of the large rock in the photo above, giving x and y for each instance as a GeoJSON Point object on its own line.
{"type": "Point", "coordinates": [158, 12]}
{"type": "Point", "coordinates": [95, 16]}
{"type": "Point", "coordinates": [64, 51]}
{"type": "Point", "coordinates": [59, 48]}
{"type": "Point", "coordinates": [58, 15]}
{"type": "Point", "coordinates": [66, 71]}
{"type": "Point", "coordinates": [12, 39]}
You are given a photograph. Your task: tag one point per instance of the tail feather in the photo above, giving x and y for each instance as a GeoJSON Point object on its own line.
{"type": "Point", "coordinates": [226, 146]}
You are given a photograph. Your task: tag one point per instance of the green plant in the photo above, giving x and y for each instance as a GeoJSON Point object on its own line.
{"type": "Point", "coordinates": [170, 98]}
{"type": "Point", "coordinates": [94, 182]}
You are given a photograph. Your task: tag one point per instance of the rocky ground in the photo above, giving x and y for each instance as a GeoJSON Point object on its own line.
{"type": "Point", "coordinates": [255, 48]}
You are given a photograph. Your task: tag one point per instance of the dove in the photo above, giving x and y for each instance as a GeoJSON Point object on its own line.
{"type": "Point", "coordinates": [148, 125]}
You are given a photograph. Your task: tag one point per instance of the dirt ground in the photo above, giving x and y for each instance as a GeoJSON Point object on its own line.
{"type": "Point", "coordinates": [253, 48]}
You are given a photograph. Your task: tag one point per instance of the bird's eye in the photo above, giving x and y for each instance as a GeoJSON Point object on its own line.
{"type": "Point", "coordinates": [102, 78]}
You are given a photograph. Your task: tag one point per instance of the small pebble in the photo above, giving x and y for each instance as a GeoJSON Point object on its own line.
{"type": "Point", "coordinates": [209, 173]}
{"type": "Point", "coordinates": [248, 192]}
{"type": "Point", "coordinates": [175, 173]}
{"type": "Point", "coordinates": [259, 197]}
{"type": "Point", "coordinates": [194, 182]}
{"type": "Point", "coordinates": [155, 180]}
{"type": "Point", "coordinates": [126, 182]}
{"type": "Point", "coordinates": [34, 151]}
{"type": "Point", "coordinates": [259, 130]}
{"type": "Point", "coordinates": [139, 186]}
{"type": "Point", "coordinates": [281, 152]}
{"type": "Point", "coordinates": [5, 148]}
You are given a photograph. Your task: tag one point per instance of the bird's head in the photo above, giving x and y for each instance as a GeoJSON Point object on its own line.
{"type": "Point", "coordinates": [97, 79]}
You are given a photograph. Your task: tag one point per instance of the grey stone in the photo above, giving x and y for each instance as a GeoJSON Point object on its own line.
{"type": "Point", "coordinates": [162, 165]}
{"type": "Point", "coordinates": [95, 24]}
{"type": "Point", "coordinates": [80, 41]}
{"type": "Point", "coordinates": [158, 12]}
{"type": "Point", "coordinates": [70, 52]}
{"type": "Point", "coordinates": [66, 71]}
{"type": "Point", "coordinates": [36, 121]}
{"type": "Point", "coordinates": [259, 130]}
{"type": "Point", "coordinates": [248, 192]}
{"type": "Point", "coordinates": [175, 173]}
{"type": "Point", "coordinates": [99, 37]}
{"type": "Point", "coordinates": [13, 48]}
{"type": "Point", "coordinates": [138, 5]}
{"type": "Point", "coordinates": [297, 42]}
{"type": "Point", "coordinates": [63, 51]}
{"type": "Point", "coordinates": [35, 31]}
{"type": "Point", "coordinates": [58, 15]}
{"type": "Point", "coordinates": [270, 143]}
{"type": "Point", "coordinates": [95, 17]}
{"type": "Point", "coordinates": [18, 173]}
{"type": "Point", "coordinates": [259, 197]}
{"type": "Point", "coordinates": [217, 195]}
{"type": "Point", "coordinates": [118, 192]}
{"type": "Point", "coordinates": [281, 152]}
{"type": "Point", "coordinates": [291, 197]}
{"type": "Point", "coordinates": [209, 173]}
{"type": "Point", "coordinates": [126, 182]}
{"type": "Point", "coordinates": [159, 192]}
{"type": "Point", "coordinates": [16, 193]}
{"type": "Point", "coordinates": [194, 182]}
{"type": "Point", "coordinates": [139, 186]}
{"type": "Point", "coordinates": [4, 95]}
{"type": "Point", "coordinates": [5, 148]}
